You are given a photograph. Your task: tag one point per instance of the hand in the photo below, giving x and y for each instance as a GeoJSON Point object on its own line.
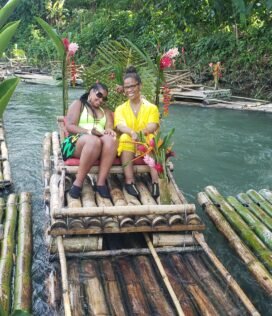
{"type": "Point", "coordinates": [110, 132]}
{"type": "Point", "coordinates": [96, 132]}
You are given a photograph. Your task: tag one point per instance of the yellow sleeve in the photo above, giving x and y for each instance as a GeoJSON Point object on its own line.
{"type": "Point", "coordinates": [118, 116]}
{"type": "Point", "coordinates": [154, 115]}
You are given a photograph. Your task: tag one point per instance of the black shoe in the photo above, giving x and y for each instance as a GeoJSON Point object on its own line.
{"type": "Point", "coordinates": [131, 189]}
{"type": "Point", "coordinates": [103, 191]}
{"type": "Point", "coordinates": [155, 191]}
{"type": "Point", "coordinates": [75, 191]}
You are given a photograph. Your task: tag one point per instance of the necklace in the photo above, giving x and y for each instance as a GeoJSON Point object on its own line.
{"type": "Point", "coordinates": [135, 109]}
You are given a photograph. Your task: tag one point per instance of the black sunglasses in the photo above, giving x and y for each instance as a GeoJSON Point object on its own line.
{"type": "Point", "coordinates": [101, 96]}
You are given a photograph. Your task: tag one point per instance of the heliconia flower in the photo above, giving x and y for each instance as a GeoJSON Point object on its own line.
{"type": "Point", "coordinates": [172, 53]}
{"type": "Point", "coordinates": [159, 168]}
{"type": "Point", "coordinates": [142, 148]}
{"type": "Point", "coordinates": [152, 142]}
{"type": "Point", "coordinates": [72, 48]}
{"type": "Point", "coordinates": [160, 142]}
{"type": "Point", "coordinates": [149, 161]}
{"type": "Point", "coordinates": [165, 62]}
{"type": "Point", "coordinates": [66, 43]}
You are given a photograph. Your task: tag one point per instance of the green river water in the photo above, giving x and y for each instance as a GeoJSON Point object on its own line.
{"type": "Point", "coordinates": [231, 150]}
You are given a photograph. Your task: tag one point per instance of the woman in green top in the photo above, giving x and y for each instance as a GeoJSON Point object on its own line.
{"type": "Point", "coordinates": [91, 137]}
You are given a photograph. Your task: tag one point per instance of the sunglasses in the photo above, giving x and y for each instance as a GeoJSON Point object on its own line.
{"type": "Point", "coordinates": [101, 96]}
{"type": "Point", "coordinates": [132, 86]}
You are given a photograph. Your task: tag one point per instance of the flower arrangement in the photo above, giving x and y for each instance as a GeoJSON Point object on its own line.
{"type": "Point", "coordinates": [216, 71]}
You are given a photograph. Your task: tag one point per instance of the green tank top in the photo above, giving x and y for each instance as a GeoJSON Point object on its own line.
{"type": "Point", "coordinates": [89, 122]}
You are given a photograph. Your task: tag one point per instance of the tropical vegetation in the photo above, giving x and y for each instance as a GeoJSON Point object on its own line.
{"type": "Point", "coordinates": [237, 33]}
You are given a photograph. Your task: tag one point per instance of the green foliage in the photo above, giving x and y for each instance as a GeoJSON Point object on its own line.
{"type": "Point", "coordinates": [6, 90]}
{"type": "Point", "coordinates": [20, 313]}
{"type": "Point", "coordinates": [7, 11]}
{"type": "Point", "coordinates": [110, 63]}
{"type": "Point", "coordinates": [6, 35]}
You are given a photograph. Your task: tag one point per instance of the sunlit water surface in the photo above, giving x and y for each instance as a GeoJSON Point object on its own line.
{"type": "Point", "coordinates": [231, 150]}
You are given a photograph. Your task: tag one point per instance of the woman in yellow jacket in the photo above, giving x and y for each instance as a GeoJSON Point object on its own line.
{"type": "Point", "coordinates": [134, 116]}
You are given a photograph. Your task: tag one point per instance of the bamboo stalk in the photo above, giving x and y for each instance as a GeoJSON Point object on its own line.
{"type": "Point", "coordinates": [176, 239]}
{"type": "Point", "coordinates": [129, 252]}
{"type": "Point", "coordinates": [255, 209]}
{"type": "Point", "coordinates": [54, 196]}
{"type": "Point", "coordinates": [156, 297]}
{"type": "Point", "coordinates": [2, 208]}
{"type": "Point", "coordinates": [58, 163]}
{"type": "Point", "coordinates": [54, 290]}
{"type": "Point", "coordinates": [23, 284]}
{"type": "Point", "coordinates": [241, 227]}
{"type": "Point", "coordinates": [96, 300]}
{"type": "Point", "coordinates": [112, 289]}
{"type": "Point", "coordinates": [266, 194]}
{"type": "Point", "coordinates": [258, 199]}
{"type": "Point", "coordinates": [79, 244]}
{"type": "Point", "coordinates": [130, 210]}
{"type": "Point", "coordinates": [205, 306]}
{"type": "Point", "coordinates": [7, 250]}
{"type": "Point", "coordinates": [230, 281]}
{"type": "Point", "coordinates": [47, 158]}
{"type": "Point", "coordinates": [164, 276]}
{"type": "Point", "coordinates": [64, 279]}
{"type": "Point", "coordinates": [258, 227]}
{"type": "Point", "coordinates": [6, 172]}
{"type": "Point", "coordinates": [75, 290]}
{"type": "Point", "coordinates": [255, 267]}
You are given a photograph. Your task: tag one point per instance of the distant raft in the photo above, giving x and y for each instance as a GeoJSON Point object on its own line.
{"type": "Point", "coordinates": [246, 221]}
{"type": "Point", "coordinates": [5, 177]}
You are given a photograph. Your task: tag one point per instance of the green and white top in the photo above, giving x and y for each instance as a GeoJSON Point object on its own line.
{"type": "Point", "coordinates": [89, 122]}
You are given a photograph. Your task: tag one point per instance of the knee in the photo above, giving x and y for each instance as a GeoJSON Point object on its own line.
{"type": "Point", "coordinates": [93, 143]}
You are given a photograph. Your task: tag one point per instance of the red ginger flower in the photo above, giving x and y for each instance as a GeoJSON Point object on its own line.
{"type": "Point", "coordinates": [165, 62]}
{"type": "Point", "coordinates": [159, 168]}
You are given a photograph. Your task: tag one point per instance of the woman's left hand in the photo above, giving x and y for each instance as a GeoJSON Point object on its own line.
{"type": "Point", "coordinates": [110, 132]}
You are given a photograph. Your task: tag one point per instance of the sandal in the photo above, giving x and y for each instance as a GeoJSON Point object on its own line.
{"type": "Point", "coordinates": [155, 191]}
{"type": "Point", "coordinates": [75, 191]}
{"type": "Point", "coordinates": [131, 189]}
{"type": "Point", "coordinates": [103, 191]}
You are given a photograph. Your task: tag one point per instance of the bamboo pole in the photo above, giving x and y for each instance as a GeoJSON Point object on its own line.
{"type": "Point", "coordinates": [176, 239]}
{"type": "Point", "coordinates": [75, 290]}
{"type": "Point", "coordinates": [7, 250]}
{"type": "Point", "coordinates": [255, 209]}
{"type": "Point", "coordinates": [46, 158]}
{"type": "Point", "coordinates": [95, 297]}
{"type": "Point", "coordinates": [58, 163]}
{"type": "Point", "coordinates": [156, 297]}
{"type": "Point", "coordinates": [54, 290]}
{"type": "Point", "coordinates": [266, 194]}
{"type": "Point", "coordinates": [258, 227]}
{"type": "Point", "coordinates": [131, 210]}
{"type": "Point", "coordinates": [23, 284]}
{"type": "Point", "coordinates": [78, 244]}
{"type": "Point", "coordinates": [54, 196]}
{"type": "Point", "coordinates": [129, 252]}
{"type": "Point", "coordinates": [112, 289]}
{"type": "Point", "coordinates": [200, 298]}
{"type": "Point", "coordinates": [164, 276]}
{"type": "Point", "coordinates": [258, 199]}
{"type": "Point", "coordinates": [255, 267]}
{"type": "Point", "coordinates": [219, 296]}
{"type": "Point", "coordinates": [230, 281]}
{"type": "Point", "coordinates": [173, 185]}
{"type": "Point", "coordinates": [64, 279]}
{"type": "Point", "coordinates": [241, 227]}
{"type": "Point", "coordinates": [2, 208]}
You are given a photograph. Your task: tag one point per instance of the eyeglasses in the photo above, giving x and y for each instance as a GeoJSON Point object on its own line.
{"type": "Point", "coordinates": [131, 87]}
{"type": "Point", "coordinates": [101, 96]}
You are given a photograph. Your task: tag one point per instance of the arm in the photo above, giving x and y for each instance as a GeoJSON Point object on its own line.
{"type": "Point", "coordinates": [73, 117]}
{"type": "Point", "coordinates": [150, 128]}
{"type": "Point", "coordinates": [109, 123]}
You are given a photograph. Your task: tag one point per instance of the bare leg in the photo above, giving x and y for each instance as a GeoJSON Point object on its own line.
{"type": "Point", "coordinates": [108, 153]}
{"type": "Point", "coordinates": [126, 158]}
{"type": "Point", "coordinates": [88, 149]}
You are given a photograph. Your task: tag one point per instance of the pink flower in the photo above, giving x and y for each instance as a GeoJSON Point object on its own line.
{"type": "Point", "coordinates": [173, 52]}
{"type": "Point", "coordinates": [72, 48]}
{"type": "Point", "coordinates": [149, 161]}
{"type": "Point", "coordinates": [159, 168]}
{"type": "Point", "coordinates": [66, 43]}
{"type": "Point", "coordinates": [211, 64]}
{"type": "Point", "coordinates": [165, 62]}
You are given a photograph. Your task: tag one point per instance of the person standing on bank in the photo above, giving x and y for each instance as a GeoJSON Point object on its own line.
{"type": "Point", "coordinates": [91, 137]}
{"type": "Point", "coordinates": [134, 116]}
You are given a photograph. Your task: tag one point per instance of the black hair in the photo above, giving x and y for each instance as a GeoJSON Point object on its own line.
{"type": "Point", "coordinates": [84, 98]}
{"type": "Point", "coordinates": [131, 72]}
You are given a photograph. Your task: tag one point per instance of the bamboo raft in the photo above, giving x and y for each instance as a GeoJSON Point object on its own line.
{"type": "Point", "coordinates": [16, 242]}
{"type": "Point", "coordinates": [5, 175]}
{"type": "Point", "coordinates": [129, 256]}
{"type": "Point", "coordinates": [246, 221]}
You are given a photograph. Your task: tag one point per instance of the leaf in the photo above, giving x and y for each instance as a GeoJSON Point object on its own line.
{"type": "Point", "coordinates": [6, 90]}
{"type": "Point", "coordinates": [6, 35]}
{"type": "Point", "coordinates": [53, 36]}
{"type": "Point", "coordinates": [7, 10]}
{"type": "Point", "coordinates": [20, 312]}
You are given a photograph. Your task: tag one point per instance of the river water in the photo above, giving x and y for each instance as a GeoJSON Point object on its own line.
{"type": "Point", "coordinates": [229, 149]}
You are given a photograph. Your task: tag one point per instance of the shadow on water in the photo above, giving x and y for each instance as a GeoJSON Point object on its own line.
{"type": "Point", "coordinates": [228, 149]}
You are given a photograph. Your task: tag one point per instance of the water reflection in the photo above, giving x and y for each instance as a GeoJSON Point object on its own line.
{"type": "Point", "coordinates": [228, 149]}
